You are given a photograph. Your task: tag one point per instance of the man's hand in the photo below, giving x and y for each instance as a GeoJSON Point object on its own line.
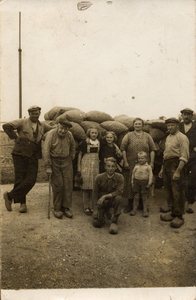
{"type": "Point", "coordinates": [148, 185]}
{"type": "Point", "coordinates": [101, 200]}
{"type": "Point", "coordinates": [132, 184]}
{"type": "Point", "coordinates": [49, 171]}
{"type": "Point", "coordinates": [160, 174]}
{"type": "Point", "coordinates": [176, 175]}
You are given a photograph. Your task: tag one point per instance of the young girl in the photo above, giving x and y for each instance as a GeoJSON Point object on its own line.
{"type": "Point", "coordinates": [88, 166]}
{"type": "Point", "coordinates": [109, 149]}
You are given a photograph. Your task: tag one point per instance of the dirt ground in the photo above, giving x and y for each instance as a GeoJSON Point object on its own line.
{"type": "Point", "coordinates": [38, 253]}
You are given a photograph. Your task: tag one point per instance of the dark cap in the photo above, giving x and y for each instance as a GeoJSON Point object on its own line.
{"type": "Point", "coordinates": [187, 110]}
{"type": "Point", "coordinates": [172, 120]}
{"type": "Point", "coordinates": [64, 121]}
{"type": "Point", "coordinates": [33, 108]}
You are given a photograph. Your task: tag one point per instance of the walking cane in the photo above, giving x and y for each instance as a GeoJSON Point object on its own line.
{"type": "Point", "coordinates": [49, 200]}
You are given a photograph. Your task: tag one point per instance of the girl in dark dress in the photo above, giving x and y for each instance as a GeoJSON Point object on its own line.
{"type": "Point", "coordinates": [108, 148]}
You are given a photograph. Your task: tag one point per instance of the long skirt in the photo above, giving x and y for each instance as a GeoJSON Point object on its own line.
{"type": "Point", "coordinates": [89, 170]}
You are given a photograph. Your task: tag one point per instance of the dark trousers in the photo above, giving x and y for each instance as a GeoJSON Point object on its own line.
{"type": "Point", "coordinates": [175, 189]}
{"type": "Point", "coordinates": [191, 181]}
{"type": "Point", "coordinates": [141, 192]}
{"type": "Point", "coordinates": [25, 177]}
{"type": "Point", "coordinates": [62, 182]}
{"type": "Point", "coordinates": [114, 202]}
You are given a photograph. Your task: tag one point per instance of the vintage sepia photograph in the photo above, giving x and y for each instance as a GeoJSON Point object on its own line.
{"type": "Point", "coordinates": [98, 149]}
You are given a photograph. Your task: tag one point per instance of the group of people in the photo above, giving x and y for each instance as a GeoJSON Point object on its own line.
{"type": "Point", "coordinates": [103, 187]}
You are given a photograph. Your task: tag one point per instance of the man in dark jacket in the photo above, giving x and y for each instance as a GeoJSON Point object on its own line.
{"type": "Point", "coordinates": [188, 127]}
{"type": "Point", "coordinates": [26, 152]}
{"type": "Point", "coordinates": [107, 193]}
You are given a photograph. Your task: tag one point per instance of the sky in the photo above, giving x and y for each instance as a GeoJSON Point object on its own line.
{"type": "Point", "coordinates": [133, 57]}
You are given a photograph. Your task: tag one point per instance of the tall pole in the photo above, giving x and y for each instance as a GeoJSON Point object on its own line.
{"type": "Point", "coordinates": [20, 68]}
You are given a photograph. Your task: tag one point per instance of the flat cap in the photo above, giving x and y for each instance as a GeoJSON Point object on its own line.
{"type": "Point", "coordinates": [34, 107]}
{"type": "Point", "coordinates": [187, 110]}
{"type": "Point", "coordinates": [64, 121]}
{"type": "Point", "coordinates": [172, 120]}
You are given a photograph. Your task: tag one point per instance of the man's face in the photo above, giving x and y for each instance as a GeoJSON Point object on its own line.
{"type": "Point", "coordinates": [62, 129]}
{"type": "Point", "coordinates": [110, 168]}
{"type": "Point", "coordinates": [172, 128]}
{"type": "Point", "coordinates": [187, 117]}
{"type": "Point", "coordinates": [34, 115]}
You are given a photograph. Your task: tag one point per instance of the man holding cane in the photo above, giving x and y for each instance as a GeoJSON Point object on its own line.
{"type": "Point", "coordinates": [58, 153]}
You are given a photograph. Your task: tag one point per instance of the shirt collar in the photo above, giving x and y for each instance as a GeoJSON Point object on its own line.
{"type": "Point", "coordinates": [106, 176]}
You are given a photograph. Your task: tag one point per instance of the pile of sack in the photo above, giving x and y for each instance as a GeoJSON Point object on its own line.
{"type": "Point", "coordinates": [121, 124]}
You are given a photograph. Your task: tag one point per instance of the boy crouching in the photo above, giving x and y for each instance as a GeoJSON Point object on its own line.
{"type": "Point", "coordinates": [107, 194]}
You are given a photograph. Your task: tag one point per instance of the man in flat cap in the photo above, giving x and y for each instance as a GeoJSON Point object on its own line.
{"type": "Point", "coordinates": [175, 156]}
{"type": "Point", "coordinates": [188, 127]}
{"type": "Point", "coordinates": [58, 154]}
{"type": "Point", "coordinates": [26, 152]}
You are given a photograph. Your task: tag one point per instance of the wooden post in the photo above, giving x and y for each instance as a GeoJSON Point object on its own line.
{"type": "Point", "coordinates": [20, 68]}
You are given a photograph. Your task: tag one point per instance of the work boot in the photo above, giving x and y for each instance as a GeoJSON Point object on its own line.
{"type": "Point", "coordinates": [68, 213]}
{"type": "Point", "coordinates": [8, 203]}
{"type": "Point", "coordinates": [165, 209]}
{"type": "Point", "coordinates": [145, 214]}
{"type": "Point", "coordinates": [58, 214]}
{"type": "Point", "coordinates": [177, 222]}
{"type": "Point", "coordinates": [167, 217]}
{"type": "Point", "coordinates": [98, 222]}
{"type": "Point", "coordinates": [23, 208]}
{"type": "Point", "coordinates": [189, 209]}
{"type": "Point", "coordinates": [129, 207]}
{"type": "Point", "coordinates": [113, 229]}
{"type": "Point", "coordinates": [133, 212]}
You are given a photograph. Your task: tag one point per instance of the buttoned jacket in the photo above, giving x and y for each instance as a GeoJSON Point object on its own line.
{"type": "Point", "coordinates": [25, 142]}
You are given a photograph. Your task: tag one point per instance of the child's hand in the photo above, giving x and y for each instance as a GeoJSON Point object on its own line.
{"type": "Point", "coordinates": [132, 184]}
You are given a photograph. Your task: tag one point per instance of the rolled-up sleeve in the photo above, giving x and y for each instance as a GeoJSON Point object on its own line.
{"type": "Point", "coordinates": [11, 126]}
{"type": "Point", "coordinates": [184, 149]}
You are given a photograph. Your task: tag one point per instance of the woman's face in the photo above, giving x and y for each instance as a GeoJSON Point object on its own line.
{"type": "Point", "coordinates": [138, 125]}
{"type": "Point", "coordinates": [93, 134]}
{"type": "Point", "coordinates": [109, 138]}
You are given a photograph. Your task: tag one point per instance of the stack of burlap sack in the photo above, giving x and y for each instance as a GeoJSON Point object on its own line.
{"type": "Point", "coordinates": [121, 124]}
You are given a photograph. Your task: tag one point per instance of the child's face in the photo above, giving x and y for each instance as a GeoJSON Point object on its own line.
{"type": "Point", "coordinates": [142, 159]}
{"type": "Point", "coordinates": [109, 138]}
{"type": "Point", "coordinates": [93, 134]}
